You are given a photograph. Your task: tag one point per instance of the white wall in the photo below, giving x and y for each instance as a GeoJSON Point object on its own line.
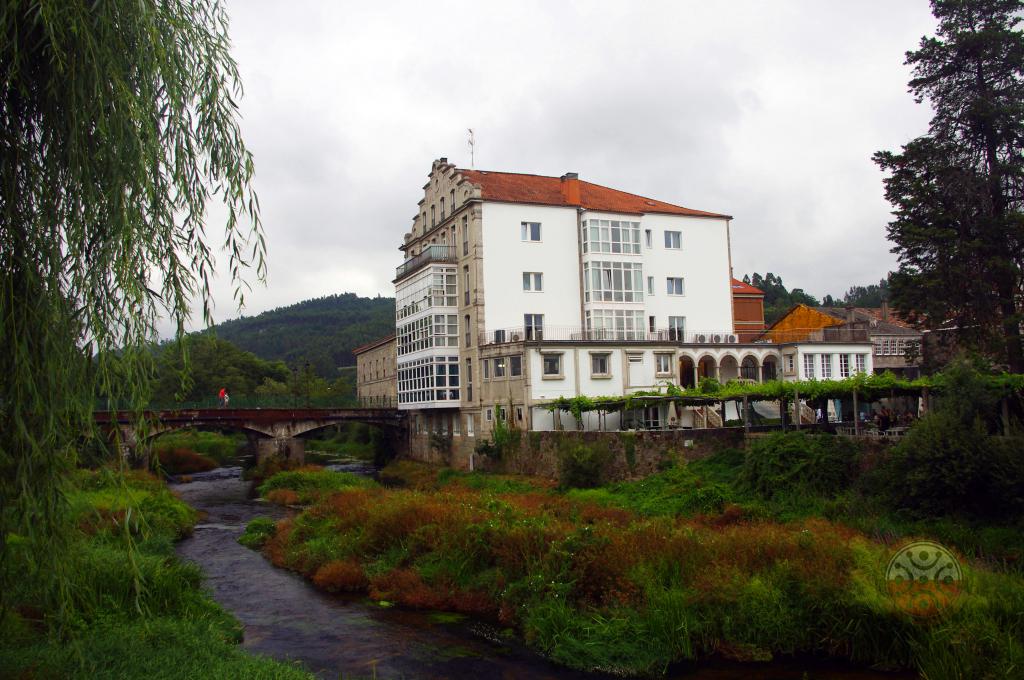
{"type": "Point", "coordinates": [703, 261]}
{"type": "Point", "coordinates": [506, 257]}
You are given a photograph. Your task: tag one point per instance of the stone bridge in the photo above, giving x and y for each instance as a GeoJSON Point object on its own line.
{"type": "Point", "coordinates": [271, 431]}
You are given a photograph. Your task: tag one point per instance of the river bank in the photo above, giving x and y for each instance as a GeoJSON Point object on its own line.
{"type": "Point", "coordinates": [599, 586]}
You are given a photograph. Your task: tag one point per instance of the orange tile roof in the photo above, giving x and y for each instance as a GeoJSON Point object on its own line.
{"type": "Point", "coordinates": [741, 288]}
{"type": "Point", "coordinates": [376, 343]}
{"type": "Point", "coordinates": [512, 187]}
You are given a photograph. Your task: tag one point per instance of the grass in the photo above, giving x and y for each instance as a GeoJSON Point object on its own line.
{"type": "Point", "coordinates": [221, 448]}
{"type": "Point", "coordinates": [309, 483]}
{"type": "Point", "coordinates": [631, 577]}
{"type": "Point", "coordinates": [127, 613]}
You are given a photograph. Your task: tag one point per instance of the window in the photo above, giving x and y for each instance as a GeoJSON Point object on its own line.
{"type": "Point", "coordinates": [809, 366]}
{"type": "Point", "coordinates": [430, 331]}
{"type": "Point", "coordinates": [552, 365]}
{"type": "Point", "coordinates": [650, 285]}
{"type": "Point", "coordinates": [453, 201]}
{"type": "Point", "coordinates": [501, 412]}
{"type": "Point", "coordinates": [519, 414]}
{"type": "Point", "coordinates": [433, 219]}
{"type": "Point", "coordinates": [533, 324]}
{"type": "Point", "coordinates": [613, 282]}
{"type": "Point", "coordinates": [663, 364]}
{"type": "Point", "coordinates": [486, 363]}
{"type": "Point", "coordinates": [844, 365]}
{"type": "Point", "coordinates": [861, 362]}
{"type": "Point", "coordinates": [529, 231]}
{"type": "Point", "coordinates": [673, 240]}
{"type": "Point", "coordinates": [652, 418]}
{"type": "Point", "coordinates": [611, 236]}
{"type": "Point", "coordinates": [456, 424]}
{"type": "Point", "coordinates": [499, 336]}
{"type": "Point", "coordinates": [489, 414]}
{"type": "Point", "coordinates": [533, 281]}
{"type": "Point", "coordinates": [465, 235]}
{"type": "Point", "coordinates": [515, 365]}
{"type": "Point", "coordinates": [469, 381]}
{"type": "Point", "coordinates": [677, 328]}
{"type": "Point", "coordinates": [615, 324]}
{"type": "Point", "coordinates": [648, 240]}
{"type": "Point", "coordinates": [470, 425]}
{"type": "Point", "coordinates": [429, 379]}
{"type": "Point", "coordinates": [826, 366]}
{"type": "Point", "coordinates": [599, 364]}
{"type": "Point", "coordinates": [651, 323]}
{"type": "Point", "coordinates": [499, 367]}
{"type": "Point", "coordinates": [465, 284]}
{"type": "Point", "coordinates": [442, 209]}
{"type": "Point", "coordinates": [469, 332]}
{"type": "Point", "coordinates": [674, 285]}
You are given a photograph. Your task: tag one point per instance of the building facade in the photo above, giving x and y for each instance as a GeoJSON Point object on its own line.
{"type": "Point", "coordinates": [376, 370]}
{"type": "Point", "coordinates": [518, 289]}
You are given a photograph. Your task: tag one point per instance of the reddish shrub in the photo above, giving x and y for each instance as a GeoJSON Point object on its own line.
{"type": "Point", "coordinates": [406, 587]}
{"type": "Point", "coordinates": [184, 461]}
{"type": "Point", "coordinates": [276, 545]}
{"type": "Point", "coordinates": [341, 575]}
{"type": "Point", "coordinates": [283, 497]}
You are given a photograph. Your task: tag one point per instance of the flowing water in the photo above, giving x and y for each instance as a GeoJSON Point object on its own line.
{"type": "Point", "coordinates": [351, 637]}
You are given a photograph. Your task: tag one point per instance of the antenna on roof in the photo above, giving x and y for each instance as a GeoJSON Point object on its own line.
{"type": "Point", "coordinates": [472, 149]}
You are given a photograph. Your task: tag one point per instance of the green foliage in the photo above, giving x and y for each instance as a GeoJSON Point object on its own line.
{"type": "Point", "coordinates": [950, 463]}
{"type": "Point", "coordinates": [220, 447]}
{"type": "Point", "coordinates": [777, 299]}
{"type": "Point", "coordinates": [801, 463]}
{"type": "Point", "coordinates": [582, 465]}
{"type": "Point", "coordinates": [257, 532]}
{"type": "Point", "coordinates": [958, 226]}
{"type": "Point", "coordinates": [860, 296]}
{"type": "Point", "coordinates": [213, 363]}
{"type": "Point", "coordinates": [310, 484]}
{"type": "Point", "coordinates": [321, 331]}
{"type": "Point", "coordinates": [709, 386]}
{"type": "Point", "coordinates": [120, 130]}
{"type": "Point", "coordinates": [676, 491]}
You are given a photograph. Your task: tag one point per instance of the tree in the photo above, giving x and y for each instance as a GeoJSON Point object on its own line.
{"type": "Point", "coordinates": [118, 125]}
{"type": "Point", "coordinates": [957, 192]}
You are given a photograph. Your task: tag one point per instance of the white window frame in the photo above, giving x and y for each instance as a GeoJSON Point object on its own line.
{"type": "Point", "coordinates": [826, 366]}
{"type": "Point", "coordinates": [557, 356]}
{"type": "Point", "coordinates": [658, 358]}
{"type": "Point", "coordinates": [650, 285]}
{"type": "Point", "coordinates": [489, 414]}
{"type": "Point", "coordinates": [648, 238]}
{"type": "Point", "coordinates": [844, 365]}
{"type": "Point", "coordinates": [671, 288]}
{"type": "Point", "coordinates": [526, 232]}
{"type": "Point", "coordinates": [515, 365]}
{"type": "Point", "coordinates": [673, 240]}
{"type": "Point", "coordinates": [470, 425]}
{"type": "Point", "coordinates": [533, 282]}
{"type": "Point", "coordinates": [809, 366]}
{"type": "Point", "coordinates": [606, 357]}
{"type": "Point", "coordinates": [861, 362]}
{"type": "Point", "coordinates": [500, 367]}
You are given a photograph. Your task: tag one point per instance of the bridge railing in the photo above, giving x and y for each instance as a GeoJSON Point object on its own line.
{"type": "Point", "coordinates": [260, 402]}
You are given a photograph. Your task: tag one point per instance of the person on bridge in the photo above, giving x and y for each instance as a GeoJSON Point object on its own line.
{"type": "Point", "coordinates": [222, 397]}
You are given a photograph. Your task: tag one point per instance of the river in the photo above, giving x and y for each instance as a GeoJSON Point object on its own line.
{"type": "Point", "coordinates": [352, 637]}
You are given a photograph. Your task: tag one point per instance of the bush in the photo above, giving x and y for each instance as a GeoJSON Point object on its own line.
{"type": "Point", "coordinates": [184, 461]}
{"type": "Point", "coordinates": [220, 447]}
{"type": "Point", "coordinates": [582, 465]}
{"type": "Point", "coordinates": [257, 532]}
{"type": "Point", "coordinates": [309, 483]}
{"type": "Point", "coordinates": [798, 462]}
{"type": "Point", "coordinates": [942, 467]}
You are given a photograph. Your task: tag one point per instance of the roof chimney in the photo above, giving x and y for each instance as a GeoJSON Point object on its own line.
{"type": "Point", "coordinates": [443, 159]}
{"type": "Point", "coordinates": [850, 316]}
{"type": "Point", "coordinates": [571, 188]}
{"type": "Point", "coordinates": [885, 310]}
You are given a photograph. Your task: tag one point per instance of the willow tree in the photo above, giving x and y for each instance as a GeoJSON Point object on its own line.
{"type": "Point", "coordinates": [958, 191]}
{"type": "Point", "coordinates": [118, 127]}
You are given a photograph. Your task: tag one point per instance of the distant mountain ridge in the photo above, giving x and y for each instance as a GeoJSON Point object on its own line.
{"type": "Point", "coordinates": [322, 331]}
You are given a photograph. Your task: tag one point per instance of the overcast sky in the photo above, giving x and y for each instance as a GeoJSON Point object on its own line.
{"type": "Point", "coordinates": [767, 111]}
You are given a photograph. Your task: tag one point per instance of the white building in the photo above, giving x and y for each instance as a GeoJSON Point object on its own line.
{"type": "Point", "coordinates": [518, 289]}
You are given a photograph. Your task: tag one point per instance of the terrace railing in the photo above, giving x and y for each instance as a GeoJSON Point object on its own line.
{"type": "Point", "coordinates": [435, 253]}
{"type": "Point", "coordinates": [577, 334]}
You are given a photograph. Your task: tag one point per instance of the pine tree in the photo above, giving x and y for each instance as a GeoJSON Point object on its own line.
{"type": "Point", "coordinates": [958, 191]}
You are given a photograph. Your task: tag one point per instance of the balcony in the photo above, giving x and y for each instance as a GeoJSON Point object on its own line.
{"type": "Point", "coordinates": [429, 255]}
{"type": "Point", "coordinates": [577, 334]}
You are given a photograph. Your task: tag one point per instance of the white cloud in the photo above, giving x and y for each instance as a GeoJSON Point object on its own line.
{"type": "Point", "coordinates": [766, 111]}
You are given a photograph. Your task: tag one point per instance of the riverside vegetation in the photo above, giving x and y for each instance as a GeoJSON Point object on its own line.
{"type": "Point", "coordinates": [752, 555]}
{"type": "Point", "coordinates": [131, 608]}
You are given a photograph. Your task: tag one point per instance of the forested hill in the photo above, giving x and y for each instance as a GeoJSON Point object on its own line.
{"type": "Point", "coordinates": [322, 331]}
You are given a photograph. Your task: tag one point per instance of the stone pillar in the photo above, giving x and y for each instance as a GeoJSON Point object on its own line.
{"type": "Point", "coordinates": [289, 448]}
